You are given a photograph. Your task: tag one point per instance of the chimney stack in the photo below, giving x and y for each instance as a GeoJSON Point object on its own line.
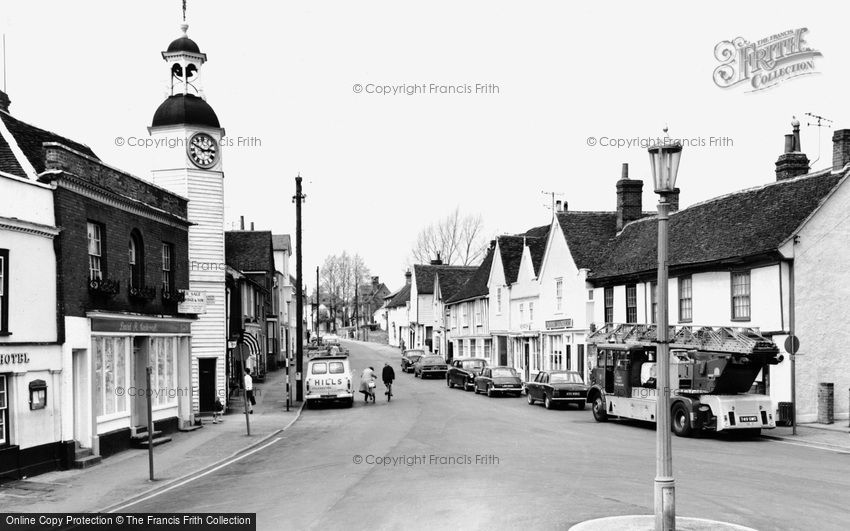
{"type": "Point", "coordinates": [375, 281]}
{"type": "Point", "coordinates": [4, 101]}
{"type": "Point", "coordinates": [558, 206]}
{"type": "Point", "coordinates": [629, 199]}
{"type": "Point", "coordinates": [840, 149]}
{"type": "Point", "coordinates": [252, 225]}
{"type": "Point", "coordinates": [241, 222]}
{"type": "Point", "coordinates": [437, 261]}
{"type": "Point", "coordinates": [407, 276]}
{"type": "Point", "coordinates": [793, 162]}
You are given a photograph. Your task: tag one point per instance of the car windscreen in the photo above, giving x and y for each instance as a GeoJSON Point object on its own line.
{"type": "Point", "coordinates": [432, 359]}
{"type": "Point", "coordinates": [320, 368]}
{"type": "Point", "coordinates": [473, 364]}
{"type": "Point", "coordinates": [337, 367]}
{"type": "Point", "coordinates": [503, 373]}
{"type": "Point", "coordinates": [415, 353]}
{"type": "Point", "coordinates": [565, 377]}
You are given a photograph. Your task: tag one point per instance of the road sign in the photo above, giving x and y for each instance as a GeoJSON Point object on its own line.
{"type": "Point", "coordinates": [792, 344]}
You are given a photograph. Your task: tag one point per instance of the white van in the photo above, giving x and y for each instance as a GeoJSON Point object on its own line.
{"type": "Point", "coordinates": [328, 379]}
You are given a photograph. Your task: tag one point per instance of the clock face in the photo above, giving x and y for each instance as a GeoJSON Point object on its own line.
{"type": "Point", "coordinates": [202, 150]}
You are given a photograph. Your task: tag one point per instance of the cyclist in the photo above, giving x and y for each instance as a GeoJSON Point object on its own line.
{"type": "Point", "coordinates": [388, 375]}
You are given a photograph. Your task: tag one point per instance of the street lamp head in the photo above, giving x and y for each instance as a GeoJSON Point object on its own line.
{"type": "Point", "coordinates": [664, 161]}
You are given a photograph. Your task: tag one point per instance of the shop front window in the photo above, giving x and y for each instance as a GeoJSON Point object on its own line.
{"type": "Point", "coordinates": [112, 365]}
{"type": "Point", "coordinates": [4, 412]}
{"type": "Point", "coordinates": [163, 360]}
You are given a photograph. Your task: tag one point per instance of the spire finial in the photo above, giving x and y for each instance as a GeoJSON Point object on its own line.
{"type": "Point", "coordinates": [184, 10]}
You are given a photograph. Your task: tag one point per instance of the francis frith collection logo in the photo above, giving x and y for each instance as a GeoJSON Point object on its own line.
{"type": "Point", "coordinates": [764, 63]}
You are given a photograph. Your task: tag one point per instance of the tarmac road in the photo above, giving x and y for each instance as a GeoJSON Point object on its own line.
{"type": "Point", "coordinates": [448, 459]}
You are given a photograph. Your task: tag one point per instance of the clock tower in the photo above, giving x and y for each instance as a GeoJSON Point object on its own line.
{"type": "Point", "coordinates": [187, 157]}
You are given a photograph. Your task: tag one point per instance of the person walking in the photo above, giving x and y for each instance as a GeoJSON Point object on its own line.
{"type": "Point", "coordinates": [367, 384]}
{"type": "Point", "coordinates": [388, 375]}
{"type": "Point", "coordinates": [218, 409]}
{"type": "Point", "coordinates": [249, 389]}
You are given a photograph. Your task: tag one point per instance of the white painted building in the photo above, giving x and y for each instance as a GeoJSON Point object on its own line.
{"type": "Point", "coordinates": [468, 316]}
{"type": "Point", "coordinates": [397, 308]}
{"type": "Point", "coordinates": [35, 400]}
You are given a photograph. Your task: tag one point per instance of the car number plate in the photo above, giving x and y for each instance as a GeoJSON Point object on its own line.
{"type": "Point", "coordinates": [572, 394]}
{"type": "Point", "coordinates": [748, 418]}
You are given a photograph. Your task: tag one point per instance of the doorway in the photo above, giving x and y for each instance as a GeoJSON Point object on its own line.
{"type": "Point", "coordinates": [139, 406]}
{"type": "Point", "coordinates": [81, 393]}
{"type": "Point", "coordinates": [503, 350]}
{"type": "Point", "coordinates": [526, 357]}
{"type": "Point", "coordinates": [206, 383]}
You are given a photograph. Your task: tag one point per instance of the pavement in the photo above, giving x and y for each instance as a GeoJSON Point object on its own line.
{"type": "Point", "coordinates": [125, 476]}
{"type": "Point", "coordinates": [828, 436]}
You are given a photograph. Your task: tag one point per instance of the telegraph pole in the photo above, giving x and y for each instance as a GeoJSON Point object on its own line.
{"type": "Point", "coordinates": [317, 304]}
{"type": "Point", "coordinates": [298, 198]}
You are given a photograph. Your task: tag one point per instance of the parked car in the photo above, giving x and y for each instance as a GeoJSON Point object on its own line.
{"type": "Point", "coordinates": [430, 365]}
{"type": "Point", "coordinates": [409, 358]}
{"type": "Point", "coordinates": [464, 371]}
{"type": "Point", "coordinates": [498, 380]}
{"type": "Point", "coordinates": [330, 339]}
{"type": "Point", "coordinates": [557, 387]}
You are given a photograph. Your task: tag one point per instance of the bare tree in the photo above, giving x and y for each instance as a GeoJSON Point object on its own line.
{"type": "Point", "coordinates": [339, 277]}
{"type": "Point", "coordinates": [459, 240]}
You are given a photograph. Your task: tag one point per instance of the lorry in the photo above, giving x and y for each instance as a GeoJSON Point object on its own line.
{"type": "Point", "coordinates": [712, 370]}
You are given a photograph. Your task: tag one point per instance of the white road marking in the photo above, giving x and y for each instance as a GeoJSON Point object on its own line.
{"type": "Point", "coordinates": [193, 478]}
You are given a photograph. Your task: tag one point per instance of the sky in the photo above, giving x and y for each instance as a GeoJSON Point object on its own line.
{"type": "Point", "coordinates": [377, 168]}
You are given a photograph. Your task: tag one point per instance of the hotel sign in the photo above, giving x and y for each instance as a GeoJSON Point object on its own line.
{"type": "Point", "coordinates": [14, 358]}
{"type": "Point", "coordinates": [194, 302]}
{"type": "Point", "coordinates": [139, 326]}
{"type": "Point", "coordinates": [558, 324]}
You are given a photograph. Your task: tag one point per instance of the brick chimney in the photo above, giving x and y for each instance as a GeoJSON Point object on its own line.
{"type": "Point", "coordinates": [673, 200]}
{"type": "Point", "coordinates": [840, 148]}
{"type": "Point", "coordinates": [793, 162]}
{"type": "Point", "coordinates": [376, 281]}
{"type": "Point", "coordinates": [629, 199]}
{"type": "Point", "coordinates": [4, 101]}
{"type": "Point", "coordinates": [407, 277]}
{"type": "Point", "coordinates": [437, 261]}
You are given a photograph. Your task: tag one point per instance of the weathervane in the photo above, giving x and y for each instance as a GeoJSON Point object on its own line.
{"type": "Point", "coordinates": [184, 10]}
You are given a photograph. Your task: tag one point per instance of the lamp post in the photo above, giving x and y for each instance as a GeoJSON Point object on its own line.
{"type": "Point", "coordinates": [664, 161]}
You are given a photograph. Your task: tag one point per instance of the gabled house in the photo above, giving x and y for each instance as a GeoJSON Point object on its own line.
{"type": "Point", "coordinates": [422, 319]}
{"type": "Point", "coordinates": [397, 308]}
{"type": "Point", "coordinates": [447, 283]}
{"type": "Point", "coordinates": [467, 336]}
{"type": "Point", "coordinates": [772, 257]}
{"type": "Point", "coordinates": [370, 297]}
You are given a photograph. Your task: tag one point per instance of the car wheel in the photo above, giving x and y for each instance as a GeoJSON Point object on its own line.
{"type": "Point", "coordinates": [466, 384]}
{"type": "Point", "coordinates": [449, 383]}
{"type": "Point", "coordinates": [475, 389]}
{"type": "Point", "coordinates": [490, 391]}
{"type": "Point", "coordinates": [681, 420]}
{"type": "Point", "coordinates": [547, 403]}
{"type": "Point", "coordinates": [599, 413]}
{"type": "Point", "coordinates": [528, 398]}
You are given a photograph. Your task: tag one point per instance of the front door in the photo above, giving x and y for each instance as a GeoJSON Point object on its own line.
{"type": "Point", "coordinates": [503, 350]}
{"type": "Point", "coordinates": [526, 358]}
{"type": "Point", "coordinates": [81, 392]}
{"type": "Point", "coordinates": [139, 406]}
{"type": "Point", "coordinates": [206, 383]}
{"type": "Point", "coordinates": [451, 351]}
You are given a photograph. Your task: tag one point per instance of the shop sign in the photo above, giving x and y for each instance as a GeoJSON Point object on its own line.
{"type": "Point", "coordinates": [137, 326]}
{"type": "Point", "coordinates": [194, 301]}
{"type": "Point", "coordinates": [559, 323]}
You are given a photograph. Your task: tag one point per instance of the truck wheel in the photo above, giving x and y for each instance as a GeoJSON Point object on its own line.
{"type": "Point", "coordinates": [599, 413]}
{"type": "Point", "coordinates": [681, 420]}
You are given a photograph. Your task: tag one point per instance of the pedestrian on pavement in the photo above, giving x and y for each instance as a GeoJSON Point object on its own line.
{"type": "Point", "coordinates": [249, 389]}
{"type": "Point", "coordinates": [218, 409]}
{"type": "Point", "coordinates": [367, 383]}
{"type": "Point", "coordinates": [401, 344]}
{"type": "Point", "coordinates": [388, 375]}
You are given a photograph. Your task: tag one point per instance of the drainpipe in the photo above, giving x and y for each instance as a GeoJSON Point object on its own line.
{"type": "Point", "coordinates": [793, 356]}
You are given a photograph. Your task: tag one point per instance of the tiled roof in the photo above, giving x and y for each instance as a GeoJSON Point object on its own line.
{"type": "Point", "coordinates": [400, 298]}
{"type": "Point", "coordinates": [476, 286]}
{"type": "Point", "coordinates": [281, 242]}
{"type": "Point", "coordinates": [511, 248]}
{"type": "Point", "coordinates": [30, 139]}
{"type": "Point", "coordinates": [424, 275]}
{"type": "Point", "coordinates": [746, 223]}
{"type": "Point", "coordinates": [249, 250]}
{"type": "Point", "coordinates": [452, 280]}
{"type": "Point", "coordinates": [588, 235]}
